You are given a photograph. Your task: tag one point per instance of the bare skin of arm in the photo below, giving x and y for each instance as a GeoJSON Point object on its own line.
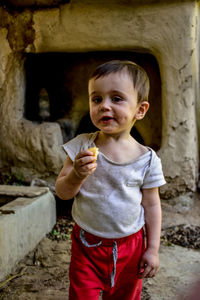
{"type": "Point", "coordinates": [73, 174]}
{"type": "Point", "coordinates": [149, 263]}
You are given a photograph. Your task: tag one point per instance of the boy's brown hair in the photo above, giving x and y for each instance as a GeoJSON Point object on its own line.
{"type": "Point", "coordinates": [137, 74]}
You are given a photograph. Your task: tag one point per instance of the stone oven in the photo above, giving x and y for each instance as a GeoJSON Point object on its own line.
{"type": "Point", "coordinates": [47, 52]}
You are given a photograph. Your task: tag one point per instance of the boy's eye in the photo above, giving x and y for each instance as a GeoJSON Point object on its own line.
{"type": "Point", "coordinates": [117, 99]}
{"type": "Point", "coordinates": [96, 99]}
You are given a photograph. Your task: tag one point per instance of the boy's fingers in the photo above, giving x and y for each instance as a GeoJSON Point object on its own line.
{"type": "Point", "coordinates": [84, 153]}
{"type": "Point", "coordinates": [152, 273]}
{"type": "Point", "coordinates": [147, 271]}
{"type": "Point", "coordinates": [86, 169]}
{"type": "Point", "coordinates": [89, 166]}
{"type": "Point", "coordinates": [83, 160]}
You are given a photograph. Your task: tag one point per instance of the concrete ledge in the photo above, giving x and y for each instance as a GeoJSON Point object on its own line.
{"type": "Point", "coordinates": [23, 223]}
{"type": "Point", "coordinates": [22, 191]}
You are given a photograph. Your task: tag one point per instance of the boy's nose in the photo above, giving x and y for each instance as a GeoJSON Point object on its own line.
{"type": "Point", "coordinates": [105, 105]}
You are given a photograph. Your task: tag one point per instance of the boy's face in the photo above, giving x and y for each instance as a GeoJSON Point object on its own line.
{"type": "Point", "coordinates": [113, 103]}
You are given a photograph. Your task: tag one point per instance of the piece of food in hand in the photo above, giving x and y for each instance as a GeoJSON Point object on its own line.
{"type": "Point", "coordinates": [95, 152]}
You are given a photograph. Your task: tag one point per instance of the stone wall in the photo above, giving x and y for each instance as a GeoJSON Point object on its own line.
{"type": "Point", "coordinates": [169, 30]}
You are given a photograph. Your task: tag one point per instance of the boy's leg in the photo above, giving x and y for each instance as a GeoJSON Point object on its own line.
{"type": "Point", "coordinates": [84, 272]}
{"type": "Point", "coordinates": [127, 285]}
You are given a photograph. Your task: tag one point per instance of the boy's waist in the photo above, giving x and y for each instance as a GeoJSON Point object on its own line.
{"type": "Point", "coordinates": [95, 240]}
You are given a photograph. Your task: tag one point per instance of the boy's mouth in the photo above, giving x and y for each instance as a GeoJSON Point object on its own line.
{"type": "Point", "coordinates": [106, 118]}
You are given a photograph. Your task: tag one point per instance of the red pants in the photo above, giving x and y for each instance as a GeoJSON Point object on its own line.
{"type": "Point", "coordinates": [92, 268]}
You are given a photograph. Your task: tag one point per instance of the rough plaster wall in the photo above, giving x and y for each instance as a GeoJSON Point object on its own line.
{"type": "Point", "coordinates": [26, 147]}
{"type": "Point", "coordinates": [198, 76]}
{"type": "Point", "coordinates": [180, 143]}
{"type": "Point", "coordinates": [168, 31]}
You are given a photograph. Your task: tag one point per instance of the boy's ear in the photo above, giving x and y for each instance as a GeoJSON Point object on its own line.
{"type": "Point", "coordinates": [142, 109]}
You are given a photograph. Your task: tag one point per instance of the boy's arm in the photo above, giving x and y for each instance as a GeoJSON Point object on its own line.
{"type": "Point", "coordinates": [152, 212]}
{"type": "Point", "coordinates": [73, 174]}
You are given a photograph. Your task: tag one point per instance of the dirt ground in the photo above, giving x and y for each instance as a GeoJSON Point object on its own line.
{"type": "Point", "coordinates": [43, 274]}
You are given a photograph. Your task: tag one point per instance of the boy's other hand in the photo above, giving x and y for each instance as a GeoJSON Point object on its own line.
{"type": "Point", "coordinates": [149, 264]}
{"type": "Point", "coordinates": [84, 164]}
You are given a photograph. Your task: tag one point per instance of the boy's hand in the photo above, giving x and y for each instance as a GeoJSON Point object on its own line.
{"type": "Point", "coordinates": [84, 164]}
{"type": "Point", "coordinates": [149, 264]}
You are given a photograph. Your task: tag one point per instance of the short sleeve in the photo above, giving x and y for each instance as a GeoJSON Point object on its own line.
{"type": "Point", "coordinates": [72, 148]}
{"type": "Point", "coordinates": [154, 174]}
{"type": "Point", "coordinates": [79, 143]}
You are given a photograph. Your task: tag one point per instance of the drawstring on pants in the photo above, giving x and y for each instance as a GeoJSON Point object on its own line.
{"type": "Point", "coordinates": [85, 243]}
{"type": "Point", "coordinates": [114, 252]}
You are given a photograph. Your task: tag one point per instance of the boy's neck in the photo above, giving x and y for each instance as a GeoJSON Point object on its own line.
{"type": "Point", "coordinates": [104, 138]}
{"type": "Point", "coordinates": [119, 148]}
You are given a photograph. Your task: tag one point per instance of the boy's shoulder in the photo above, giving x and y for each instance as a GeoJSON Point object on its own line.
{"type": "Point", "coordinates": [154, 158]}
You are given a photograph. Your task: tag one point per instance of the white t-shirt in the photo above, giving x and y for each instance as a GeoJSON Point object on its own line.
{"type": "Point", "coordinates": [109, 201]}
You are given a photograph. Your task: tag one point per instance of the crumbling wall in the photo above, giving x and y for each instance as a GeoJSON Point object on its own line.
{"type": "Point", "coordinates": [24, 146]}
